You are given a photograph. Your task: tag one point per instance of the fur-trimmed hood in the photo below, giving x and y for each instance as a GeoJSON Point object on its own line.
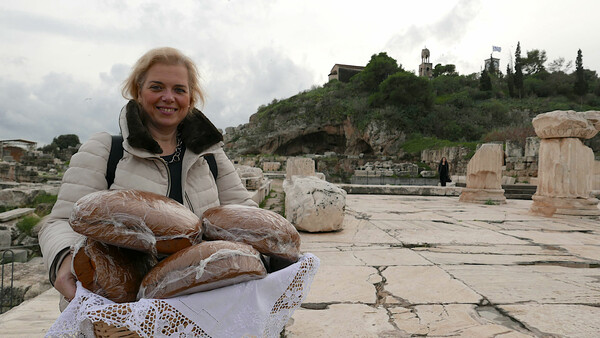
{"type": "Point", "coordinates": [197, 132]}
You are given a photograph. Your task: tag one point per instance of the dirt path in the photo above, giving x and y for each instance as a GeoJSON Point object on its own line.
{"type": "Point", "coordinates": [275, 201]}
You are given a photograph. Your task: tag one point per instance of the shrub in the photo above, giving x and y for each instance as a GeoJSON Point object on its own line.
{"type": "Point", "coordinates": [44, 198]}
{"type": "Point", "coordinates": [26, 224]}
{"type": "Point", "coordinates": [517, 134]}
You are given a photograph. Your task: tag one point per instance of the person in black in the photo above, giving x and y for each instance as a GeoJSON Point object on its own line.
{"type": "Point", "coordinates": [444, 171]}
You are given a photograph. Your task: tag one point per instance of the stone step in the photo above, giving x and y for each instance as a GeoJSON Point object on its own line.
{"type": "Point", "coordinates": [15, 213]}
{"type": "Point", "coordinates": [518, 196]}
{"type": "Point", "coordinates": [17, 255]}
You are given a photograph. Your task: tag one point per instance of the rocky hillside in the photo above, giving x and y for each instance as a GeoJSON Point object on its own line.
{"type": "Point", "coordinates": [383, 106]}
{"type": "Point", "coordinates": [297, 133]}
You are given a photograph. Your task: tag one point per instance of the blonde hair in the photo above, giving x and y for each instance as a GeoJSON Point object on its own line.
{"type": "Point", "coordinates": [168, 56]}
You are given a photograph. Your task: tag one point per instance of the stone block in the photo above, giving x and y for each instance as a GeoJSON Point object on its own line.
{"type": "Point", "coordinates": [594, 118]}
{"type": "Point", "coordinates": [428, 173]}
{"type": "Point", "coordinates": [314, 205]}
{"type": "Point", "coordinates": [565, 167]}
{"type": "Point", "coordinates": [360, 173]}
{"type": "Point", "coordinates": [299, 166]}
{"type": "Point", "coordinates": [484, 169]}
{"type": "Point", "coordinates": [562, 124]}
{"type": "Point", "coordinates": [508, 180]}
{"type": "Point", "coordinates": [596, 176]}
{"type": "Point", "coordinates": [519, 166]}
{"type": "Point", "coordinates": [532, 146]}
{"type": "Point", "coordinates": [245, 171]}
{"type": "Point", "coordinates": [271, 166]}
{"type": "Point", "coordinates": [484, 181]}
{"type": "Point", "coordinates": [15, 213]}
{"type": "Point", "coordinates": [5, 238]}
{"type": "Point", "coordinates": [14, 255]}
{"type": "Point", "coordinates": [513, 149]}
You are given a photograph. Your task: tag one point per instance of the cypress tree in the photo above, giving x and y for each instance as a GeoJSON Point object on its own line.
{"type": "Point", "coordinates": [510, 81]}
{"type": "Point", "coordinates": [518, 78]}
{"type": "Point", "coordinates": [485, 82]}
{"type": "Point", "coordinates": [581, 85]}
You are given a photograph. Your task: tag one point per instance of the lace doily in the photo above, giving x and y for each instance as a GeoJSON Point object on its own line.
{"type": "Point", "coordinates": [258, 308]}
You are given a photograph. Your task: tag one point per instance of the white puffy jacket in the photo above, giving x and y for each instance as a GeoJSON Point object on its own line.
{"type": "Point", "coordinates": [142, 168]}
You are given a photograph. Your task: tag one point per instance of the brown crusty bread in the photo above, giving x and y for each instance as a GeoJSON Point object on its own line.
{"type": "Point", "coordinates": [202, 267]}
{"type": "Point", "coordinates": [135, 219]}
{"type": "Point", "coordinates": [109, 271]}
{"type": "Point", "coordinates": [268, 232]}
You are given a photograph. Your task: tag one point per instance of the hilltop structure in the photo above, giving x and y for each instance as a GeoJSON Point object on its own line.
{"type": "Point", "coordinates": [492, 61]}
{"type": "Point", "coordinates": [15, 148]}
{"type": "Point", "coordinates": [426, 68]}
{"type": "Point", "coordinates": [343, 73]}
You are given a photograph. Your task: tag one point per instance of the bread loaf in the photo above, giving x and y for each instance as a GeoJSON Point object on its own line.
{"type": "Point", "coordinates": [109, 271]}
{"type": "Point", "coordinates": [268, 232]}
{"type": "Point", "coordinates": [136, 220]}
{"type": "Point", "coordinates": [202, 267]}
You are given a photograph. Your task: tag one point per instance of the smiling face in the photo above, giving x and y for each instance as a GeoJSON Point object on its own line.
{"type": "Point", "coordinates": [165, 96]}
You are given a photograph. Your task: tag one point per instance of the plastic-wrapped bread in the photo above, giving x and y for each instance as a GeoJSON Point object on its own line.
{"type": "Point", "coordinates": [268, 232]}
{"type": "Point", "coordinates": [138, 220]}
{"type": "Point", "coordinates": [109, 271]}
{"type": "Point", "coordinates": [202, 267]}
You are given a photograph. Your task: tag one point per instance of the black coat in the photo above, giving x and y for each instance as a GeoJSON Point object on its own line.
{"type": "Point", "coordinates": [443, 170]}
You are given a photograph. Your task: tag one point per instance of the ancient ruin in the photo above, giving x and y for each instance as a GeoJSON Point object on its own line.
{"type": "Point", "coordinates": [566, 165]}
{"type": "Point", "coordinates": [484, 176]}
{"type": "Point", "coordinates": [312, 204]}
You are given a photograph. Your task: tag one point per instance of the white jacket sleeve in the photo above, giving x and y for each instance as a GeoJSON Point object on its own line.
{"type": "Point", "coordinates": [86, 174]}
{"type": "Point", "coordinates": [229, 184]}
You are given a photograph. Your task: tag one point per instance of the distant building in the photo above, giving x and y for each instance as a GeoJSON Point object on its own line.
{"type": "Point", "coordinates": [426, 68]}
{"type": "Point", "coordinates": [496, 64]}
{"type": "Point", "coordinates": [343, 73]}
{"type": "Point", "coordinates": [15, 149]}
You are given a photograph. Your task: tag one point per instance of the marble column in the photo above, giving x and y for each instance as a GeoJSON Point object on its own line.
{"type": "Point", "coordinates": [566, 165]}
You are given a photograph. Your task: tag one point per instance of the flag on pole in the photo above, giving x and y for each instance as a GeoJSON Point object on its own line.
{"type": "Point", "coordinates": [496, 49]}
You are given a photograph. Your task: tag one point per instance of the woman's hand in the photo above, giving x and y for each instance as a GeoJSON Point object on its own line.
{"type": "Point", "coordinates": [65, 280]}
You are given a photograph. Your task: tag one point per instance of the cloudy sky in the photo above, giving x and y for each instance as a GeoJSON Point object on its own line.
{"type": "Point", "coordinates": [63, 61]}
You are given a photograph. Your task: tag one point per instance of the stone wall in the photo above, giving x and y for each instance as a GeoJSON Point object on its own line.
{"type": "Point", "coordinates": [520, 163]}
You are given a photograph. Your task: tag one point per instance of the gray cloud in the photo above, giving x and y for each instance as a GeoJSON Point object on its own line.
{"type": "Point", "coordinates": [259, 77]}
{"type": "Point", "coordinates": [57, 105]}
{"type": "Point", "coordinates": [446, 31]}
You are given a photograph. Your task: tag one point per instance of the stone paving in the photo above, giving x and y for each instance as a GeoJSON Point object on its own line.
{"type": "Point", "coordinates": [431, 266]}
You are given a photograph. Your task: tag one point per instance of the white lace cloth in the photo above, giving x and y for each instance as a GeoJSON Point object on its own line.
{"type": "Point", "coordinates": [258, 308]}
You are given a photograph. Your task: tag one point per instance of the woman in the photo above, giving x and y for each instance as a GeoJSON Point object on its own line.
{"type": "Point", "coordinates": [165, 139]}
{"type": "Point", "coordinates": [444, 171]}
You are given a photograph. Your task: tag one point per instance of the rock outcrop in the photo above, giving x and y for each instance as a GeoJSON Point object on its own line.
{"type": "Point", "coordinates": [297, 132]}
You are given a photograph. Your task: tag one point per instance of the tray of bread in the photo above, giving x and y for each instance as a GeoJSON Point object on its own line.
{"type": "Point", "coordinates": [149, 267]}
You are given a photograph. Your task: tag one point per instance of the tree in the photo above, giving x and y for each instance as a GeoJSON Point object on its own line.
{"type": "Point", "coordinates": [66, 141]}
{"type": "Point", "coordinates": [491, 67]}
{"type": "Point", "coordinates": [439, 70]}
{"type": "Point", "coordinates": [581, 85]}
{"type": "Point", "coordinates": [510, 81]}
{"type": "Point", "coordinates": [559, 65]}
{"type": "Point", "coordinates": [377, 70]}
{"type": "Point", "coordinates": [403, 88]}
{"type": "Point", "coordinates": [534, 63]}
{"type": "Point", "coordinates": [518, 78]}
{"type": "Point", "coordinates": [485, 82]}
